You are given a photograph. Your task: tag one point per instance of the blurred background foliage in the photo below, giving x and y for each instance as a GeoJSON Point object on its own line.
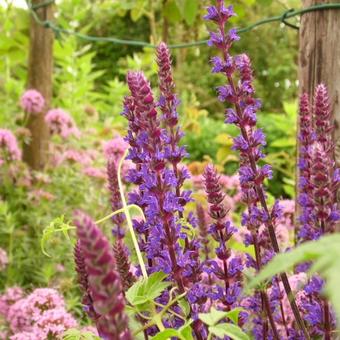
{"type": "Point", "coordinates": [89, 82]}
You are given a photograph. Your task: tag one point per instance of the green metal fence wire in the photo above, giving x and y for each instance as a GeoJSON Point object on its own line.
{"type": "Point", "coordinates": [282, 18]}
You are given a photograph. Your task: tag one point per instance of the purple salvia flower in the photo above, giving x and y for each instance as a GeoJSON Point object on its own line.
{"type": "Point", "coordinates": [115, 199]}
{"type": "Point", "coordinates": [168, 104]}
{"type": "Point", "coordinates": [252, 176]}
{"type": "Point", "coordinates": [203, 230]}
{"type": "Point", "coordinates": [103, 279]}
{"type": "Point", "coordinates": [222, 231]}
{"type": "Point", "coordinates": [123, 264]}
{"type": "Point", "coordinates": [158, 199]}
{"type": "Point", "coordinates": [84, 282]}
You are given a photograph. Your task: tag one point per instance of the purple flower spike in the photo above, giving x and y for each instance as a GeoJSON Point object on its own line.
{"type": "Point", "coordinates": [103, 279]}
{"type": "Point", "coordinates": [222, 231]}
{"type": "Point", "coordinates": [116, 204]}
{"type": "Point", "coordinates": [240, 93]}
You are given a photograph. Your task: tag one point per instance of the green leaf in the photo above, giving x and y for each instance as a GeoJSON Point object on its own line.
{"type": "Point", "coordinates": [283, 143]}
{"type": "Point", "coordinates": [183, 303]}
{"type": "Point", "coordinates": [234, 314]}
{"type": "Point", "coordinates": [227, 329]}
{"type": "Point", "coordinates": [57, 225]}
{"type": "Point", "coordinates": [265, 2]}
{"type": "Point", "coordinates": [147, 290]}
{"type": "Point", "coordinates": [213, 317]}
{"type": "Point", "coordinates": [167, 334]}
{"type": "Point", "coordinates": [186, 330]}
{"type": "Point", "coordinates": [138, 10]}
{"type": "Point", "coordinates": [190, 10]}
{"type": "Point", "coordinates": [172, 12]}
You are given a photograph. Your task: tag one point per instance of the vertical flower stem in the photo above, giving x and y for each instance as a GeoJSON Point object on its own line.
{"type": "Point", "coordinates": [263, 293]}
{"type": "Point", "coordinates": [269, 223]}
{"type": "Point", "coordinates": [128, 218]}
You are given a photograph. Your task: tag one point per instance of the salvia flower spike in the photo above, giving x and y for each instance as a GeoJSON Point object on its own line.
{"type": "Point", "coordinates": [103, 279]}
{"type": "Point", "coordinates": [243, 115]}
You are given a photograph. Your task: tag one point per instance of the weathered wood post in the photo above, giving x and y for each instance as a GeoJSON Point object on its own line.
{"type": "Point", "coordinates": [319, 56]}
{"type": "Point", "coordinates": [319, 60]}
{"type": "Point", "coordinates": [40, 64]}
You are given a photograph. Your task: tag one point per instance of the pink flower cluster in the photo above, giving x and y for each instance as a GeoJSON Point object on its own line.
{"type": "Point", "coordinates": [8, 147]}
{"type": "Point", "coordinates": [3, 259]}
{"type": "Point", "coordinates": [61, 123]}
{"type": "Point", "coordinates": [32, 101]}
{"type": "Point", "coordinates": [115, 148]}
{"type": "Point", "coordinates": [40, 315]}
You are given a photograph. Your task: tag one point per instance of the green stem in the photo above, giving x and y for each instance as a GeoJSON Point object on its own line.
{"type": "Point", "coordinates": [120, 211]}
{"type": "Point", "coordinates": [128, 218]}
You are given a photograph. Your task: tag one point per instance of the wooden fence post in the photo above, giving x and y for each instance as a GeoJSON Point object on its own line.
{"type": "Point", "coordinates": [40, 66]}
{"type": "Point", "coordinates": [319, 57]}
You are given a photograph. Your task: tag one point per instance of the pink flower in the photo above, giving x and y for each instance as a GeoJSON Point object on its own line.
{"type": "Point", "coordinates": [297, 281]}
{"type": "Point", "coordinates": [61, 123]}
{"type": "Point", "coordinates": [8, 147]}
{"type": "Point", "coordinates": [95, 172]}
{"type": "Point", "coordinates": [115, 148]}
{"type": "Point", "coordinates": [77, 156]}
{"type": "Point", "coordinates": [34, 335]}
{"type": "Point", "coordinates": [32, 101]}
{"type": "Point", "coordinates": [25, 312]}
{"type": "Point", "coordinates": [8, 298]}
{"type": "Point", "coordinates": [54, 322]}
{"type": "Point", "coordinates": [3, 259]}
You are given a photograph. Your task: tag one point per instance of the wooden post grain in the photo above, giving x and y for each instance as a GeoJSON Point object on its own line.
{"type": "Point", "coordinates": [40, 65]}
{"type": "Point", "coordinates": [319, 56]}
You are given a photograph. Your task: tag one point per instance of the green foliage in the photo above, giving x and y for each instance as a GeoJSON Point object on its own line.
{"type": "Point", "coordinates": [213, 318]}
{"type": "Point", "coordinates": [56, 226]}
{"type": "Point", "coordinates": [280, 129]}
{"type": "Point", "coordinates": [324, 254]}
{"type": "Point", "coordinates": [144, 291]}
{"type": "Point", "coordinates": [183, 333]}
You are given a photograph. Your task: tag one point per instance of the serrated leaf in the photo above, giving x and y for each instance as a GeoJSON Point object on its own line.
{"type": "Point", "coordinates": [147, 290]}
{"type": "Point", "coordinates": [132, 293]}
{"type": "Point", "coordinates": [213, 317]}
{"type": "Point", "coordinates": [227, 329]}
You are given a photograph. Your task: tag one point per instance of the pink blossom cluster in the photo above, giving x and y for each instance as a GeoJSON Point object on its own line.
{"type": "Point", "coordinates": [40, 315]}
{"type": "Point", "coordinates": [61, 123]}
{"type": "Point", "coordinates": [115, 148]}
{"type": "Point", "coordinates": [3, 259]}
{"type": "Point", "coordinates": [98, 173]}
{"type": "Point", "coordinates": [8, 298]}
{"type": "Point", "coordinates": [8, 147]}
{"type": "Point", "coordinates": [32, 101]}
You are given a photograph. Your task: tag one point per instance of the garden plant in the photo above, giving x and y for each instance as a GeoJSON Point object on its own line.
{"type": "Point", "coordinates": [179, 250]}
